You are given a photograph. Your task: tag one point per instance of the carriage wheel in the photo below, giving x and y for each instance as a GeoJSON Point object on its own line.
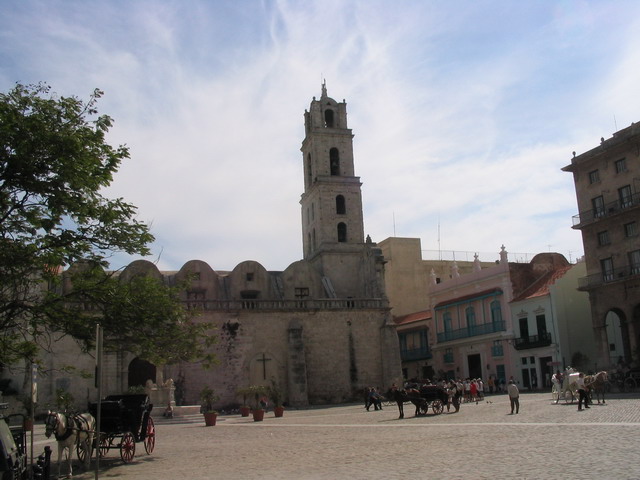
{"type": "Point", "coordinates": [150, 438]}
{"type": "Point", "coordinates": [105, 444]}
{"type": "Point", "coordinates": [437, 406]}
{"type": "Point", "coordinates": [629, 385]}
{"type": "Point", "coordinates": [82, 453]}
{"type": "Point", "coordinates": [127, 447]}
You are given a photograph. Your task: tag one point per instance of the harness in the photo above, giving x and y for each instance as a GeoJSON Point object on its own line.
{"type": "Point", "coordinates": [73, 425]}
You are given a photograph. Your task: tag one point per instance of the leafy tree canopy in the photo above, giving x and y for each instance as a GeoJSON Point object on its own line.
{"type": "Point", "coordinates": [54, 164]}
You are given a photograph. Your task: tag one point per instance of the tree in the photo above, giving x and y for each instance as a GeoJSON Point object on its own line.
{"type": "Point", "coordinates": [54, 164]}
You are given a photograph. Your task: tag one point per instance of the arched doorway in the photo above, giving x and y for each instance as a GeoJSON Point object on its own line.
{"type": "Point", "coordinates": [617, 347]}
{"type": "Point", "coordinates": [140, 371]}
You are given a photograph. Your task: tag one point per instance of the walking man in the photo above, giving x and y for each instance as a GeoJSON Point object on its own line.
{"type": "Point", "coordinates": [582, 392]}
{"type": "Point", "coordinates": [514, 396]}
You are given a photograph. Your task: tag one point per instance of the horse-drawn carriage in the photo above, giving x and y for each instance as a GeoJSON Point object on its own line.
{"type": "Point", "coordinates": [566, 388]}
{"type": "Point", "coordinates": [124, 421]}
{"type": "Point", "coordinates": [424, 398]}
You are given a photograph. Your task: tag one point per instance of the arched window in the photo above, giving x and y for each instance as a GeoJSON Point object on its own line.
{"type": "Point", "coordinates": [470, 315]}
{"type": "Point", "coordinates": [446, 321]}
{"type": "Point", "coordinates": [496, 312]}
{"type": "Point", "coordinates": [341, 208]}
{"type": "Point", "coordinates": [334, 161]}
{"type": "Point", "coordinates": [309, 170]}
{"type": "Point", "coordinates": [328, 118]}
{"type": "Point", "coordinates": [342, 232]}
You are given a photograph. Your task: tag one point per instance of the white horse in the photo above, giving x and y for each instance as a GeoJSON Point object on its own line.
{"type": "Point", "coordinates": [72, 430]}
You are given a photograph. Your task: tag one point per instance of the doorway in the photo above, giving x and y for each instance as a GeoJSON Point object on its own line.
{"type": "Point", "coordinates": [475, 366]}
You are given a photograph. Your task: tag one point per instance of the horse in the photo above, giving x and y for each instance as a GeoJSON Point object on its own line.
{"type": "Point", "coordinates": [71, 430]}
{"type": "Point", "coordinates": [596, 383]}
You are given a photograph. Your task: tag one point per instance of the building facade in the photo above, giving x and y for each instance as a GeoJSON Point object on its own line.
{"type": "Point", "coordinates": [607, 183]}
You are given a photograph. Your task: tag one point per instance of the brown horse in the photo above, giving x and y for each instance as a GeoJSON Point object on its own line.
{"type": "Point", "coordinates": [596, 384]}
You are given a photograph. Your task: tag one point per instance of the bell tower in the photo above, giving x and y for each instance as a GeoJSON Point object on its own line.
{"type": "Point", "coordinates": [332, 218]}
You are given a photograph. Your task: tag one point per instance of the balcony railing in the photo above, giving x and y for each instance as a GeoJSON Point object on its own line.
{"type": "Point", "coordinates": [261, 305]}
{"type": "Point", "coordinates": [533, 341]}
{"type": "Point", "coordinates": [607, 210]}
{"type": "Point", "coordinates": [471, 331]}
{"type": "Point", "coordinates": [422, 353]}
{"type": "Point", "coordinates": [615, 275]}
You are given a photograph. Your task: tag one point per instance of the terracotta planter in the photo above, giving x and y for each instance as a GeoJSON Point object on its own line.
{"type": "Point", "coordinates": [278, 411]}
{"type": "Point", "coordinates": [210, 419]}
{"type": "Point", "coordinates": [258, 414]}
{"type": "Point", "coordinates": [245, 411]}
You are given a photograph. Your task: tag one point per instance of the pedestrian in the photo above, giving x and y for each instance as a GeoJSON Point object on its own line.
{"type": "Point", "coordinates": [582, 392]}
{"type": "Point", "coordinates": [514, 396]}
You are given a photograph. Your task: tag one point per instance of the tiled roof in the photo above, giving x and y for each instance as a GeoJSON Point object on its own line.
{"type": "Point", "coordinates": [413, 317]}
{"type": "Point", "coordinates": [541, 286]}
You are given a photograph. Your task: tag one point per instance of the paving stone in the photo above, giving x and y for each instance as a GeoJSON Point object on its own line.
{"type": "Point", "coordinates": [545, 440]}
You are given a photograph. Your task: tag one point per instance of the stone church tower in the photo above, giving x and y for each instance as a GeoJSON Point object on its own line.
{"type": "Point", "coordinates": [321, 329]}
{"type": "Point", "coordinates": [332, 218]}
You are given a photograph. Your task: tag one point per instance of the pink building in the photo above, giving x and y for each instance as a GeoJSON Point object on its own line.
{"type": "Point", "coordinates": [473, 321]}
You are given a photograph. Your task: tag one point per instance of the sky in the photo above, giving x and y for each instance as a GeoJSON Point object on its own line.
{"type": "Point", "coordinates": [463, 113]}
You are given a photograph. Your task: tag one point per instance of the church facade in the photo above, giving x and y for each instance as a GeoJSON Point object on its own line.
{"type": "Point", "coordinates": [321, 329]}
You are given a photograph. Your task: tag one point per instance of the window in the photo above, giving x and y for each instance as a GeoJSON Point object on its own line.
{"type": "Point", "coordinates": [541, 323]}
{"type": "Point", "coordinates": [342, 232]}
{"type": "Point", "coordinates": [341, 208]}
{"type": "Point", "coordinates": [470, 315]}
{"type": "Point", "coordinates": [603, 238]}
{"type": "Point", "coordinates": [328, 118]}
{"type": "Point", "coordinates": [496, 312]}
{"type": "Point", "coordinates": [621, 165]}
{"type": "Point", "coordinates": [334, 161]}
{"type": "Point", "coordinates": [634, 262]}
{"type": "Point", "coordinates": [446, 320]}
{"type": "Point", "coordinates": [249, 277]}
{"type": "Point", "coordinates": [626, 199]}
{"type": "Point", "coordinates": [524, 327]}
{"type": "Point", "coordinates": [598, 206]}
{"type": "Point", "coordinates": [606, 265]}
{"type": "Point", "coordinates": [630, 229]}
{"type": "Point", "coordinates": [301, 292]}
{"type": "Point", "coordinates": [497, 349]}
{"type": "Point", "coordinates": [594, 176]}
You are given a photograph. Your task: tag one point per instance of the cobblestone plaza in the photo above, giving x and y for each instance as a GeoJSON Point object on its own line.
{"type": "Point", "coordinates": [544, 440]}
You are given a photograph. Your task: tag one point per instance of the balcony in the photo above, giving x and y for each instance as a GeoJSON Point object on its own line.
{"type": "Point", "coordinates": [615, 275]}
{"type": "Point", "coordinates": [532, 341]}
{"type": "Point", "coordinates": [421, 353]}
{"type": "Point", "coordinates": [591, 215]}
{"type": "Point", "coordinates": [472, 331]}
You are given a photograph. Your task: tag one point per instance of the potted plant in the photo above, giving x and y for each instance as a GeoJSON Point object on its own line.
{"type": "Point", "coordinates": [207, 399]}
{"type": "Point", "coordinates": [245, 409]}
{"type": "Point", "coordinates": [259, 394]}
{"type": "Point", "coordinates": [276, 397]}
